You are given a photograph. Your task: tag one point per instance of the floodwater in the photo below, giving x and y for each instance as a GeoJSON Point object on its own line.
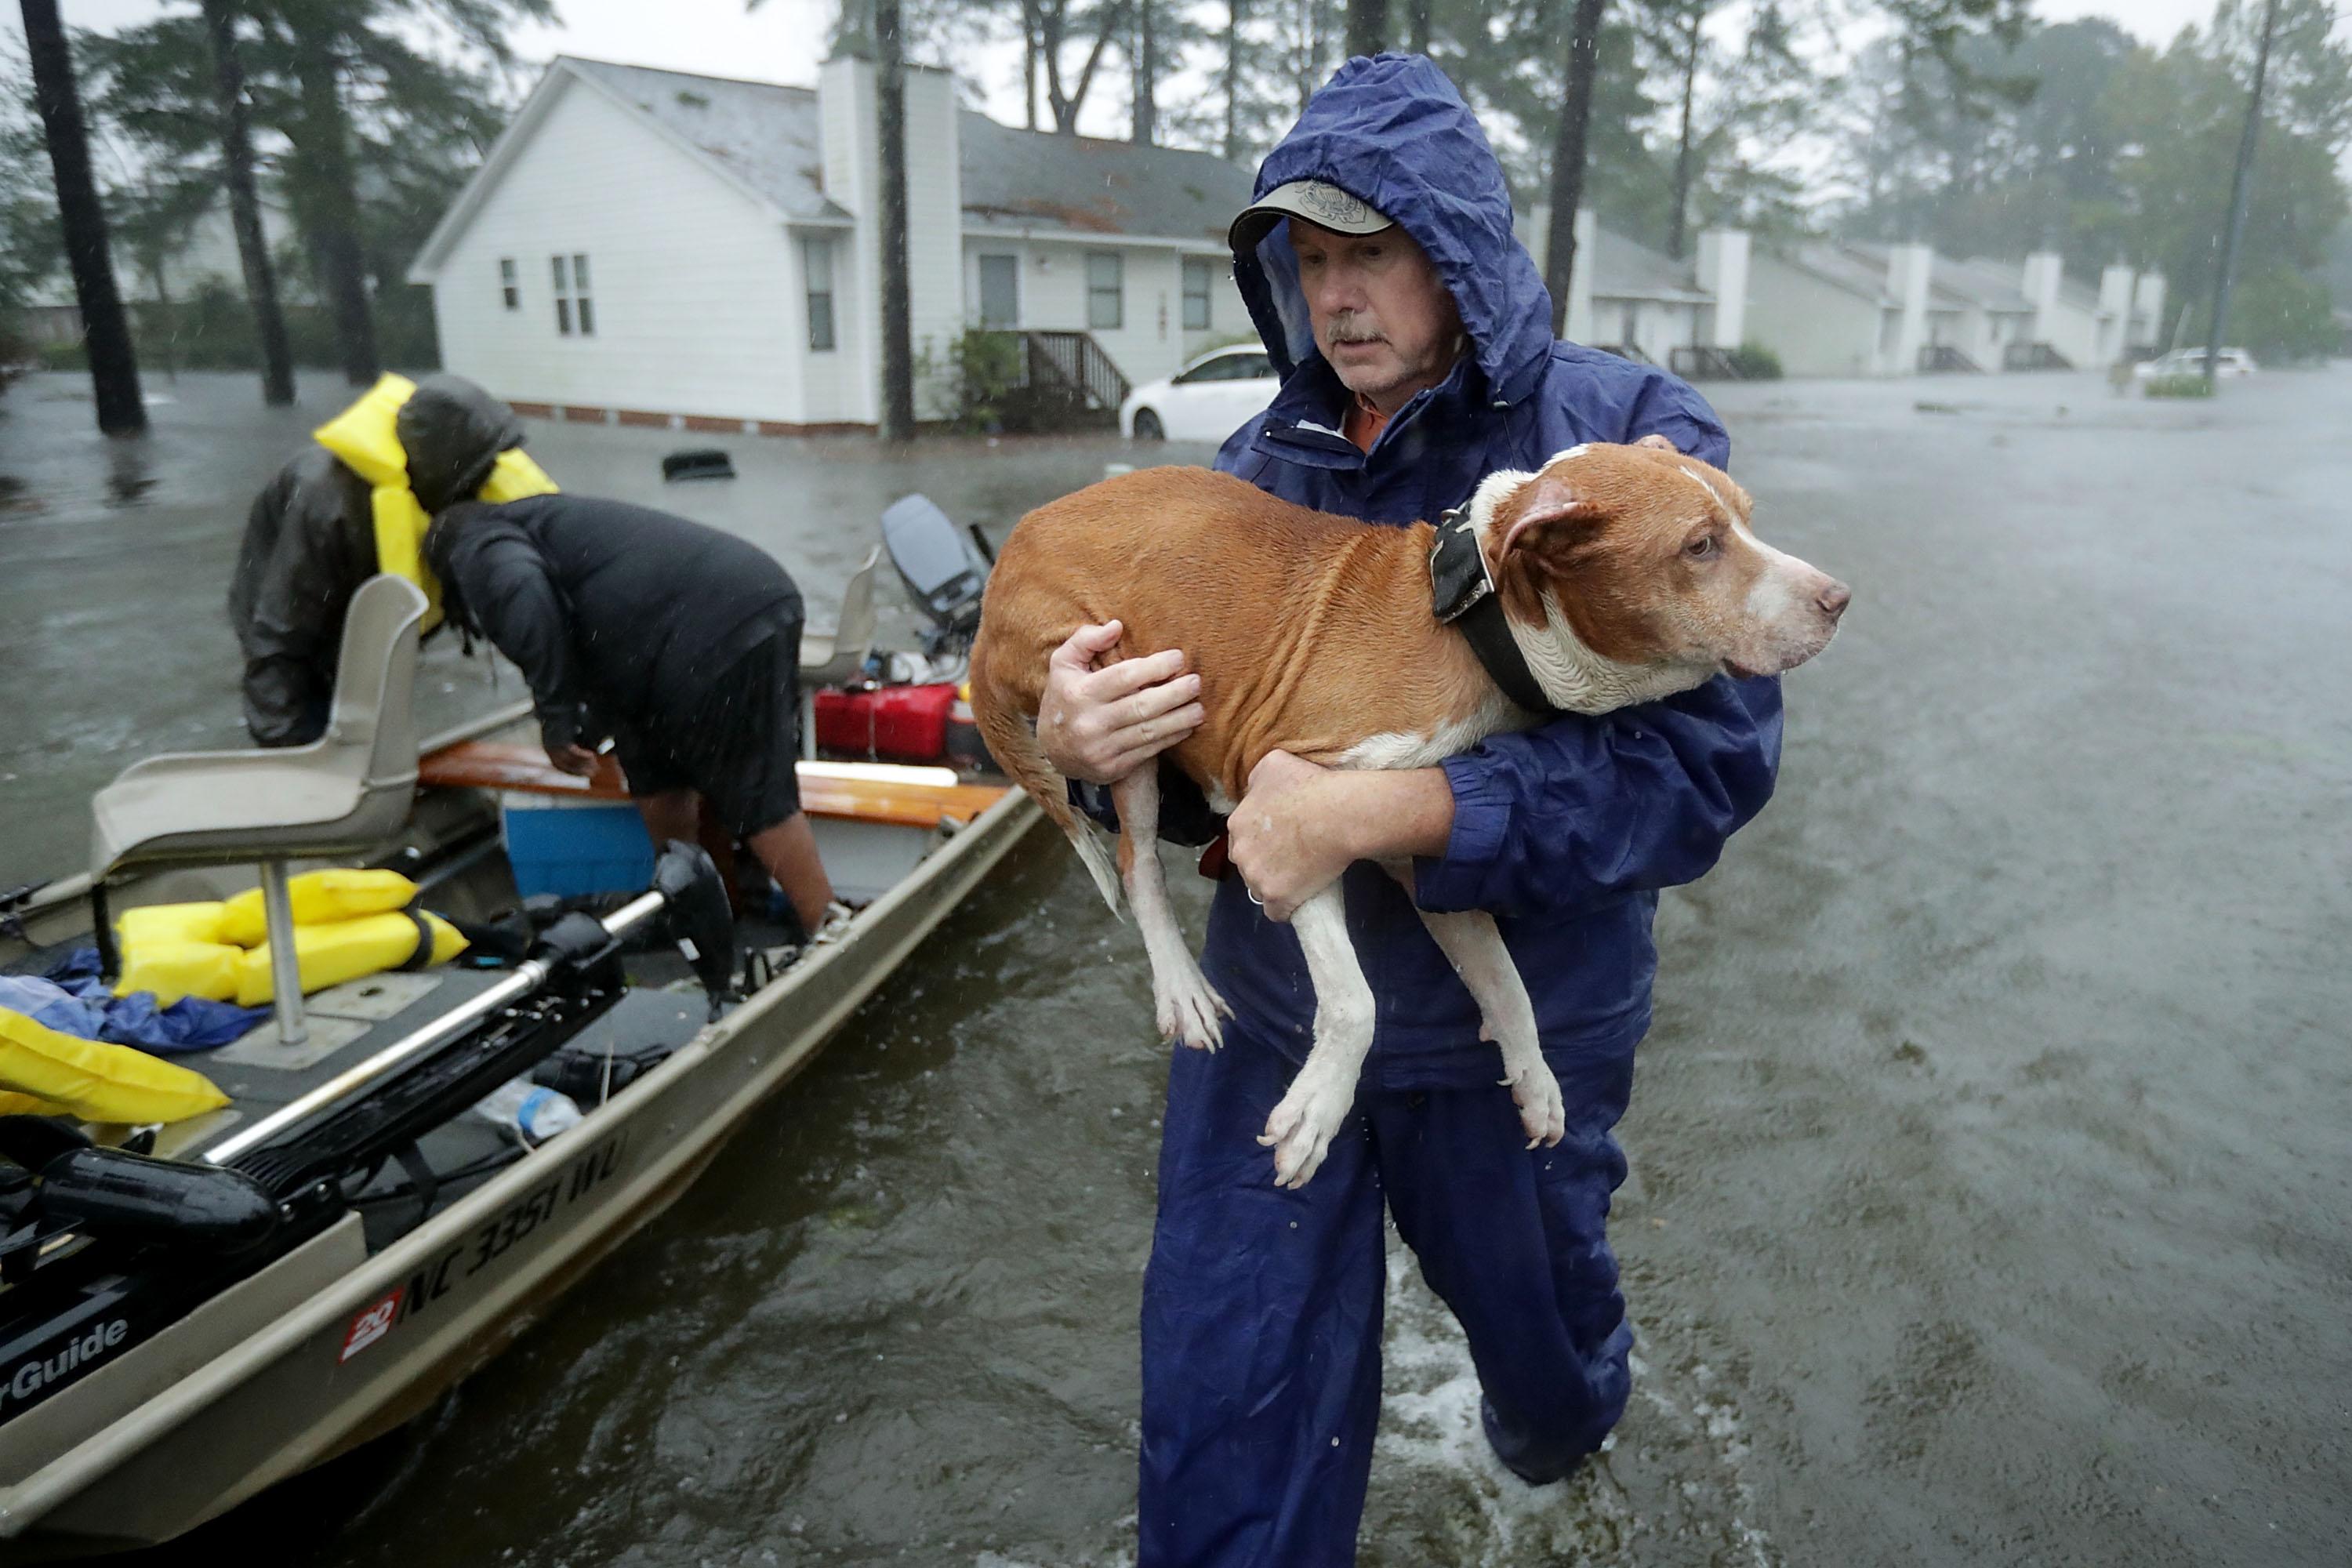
{"type": "Point", "coordinates": [1989, 1193]}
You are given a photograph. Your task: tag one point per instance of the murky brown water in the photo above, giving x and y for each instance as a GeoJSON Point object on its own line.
{"type": "Point", "coordinates": [1990, 1196]}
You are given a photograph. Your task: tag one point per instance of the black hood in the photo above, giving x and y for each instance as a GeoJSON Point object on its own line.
{"type": "Point", "coordinates": [452, 431]}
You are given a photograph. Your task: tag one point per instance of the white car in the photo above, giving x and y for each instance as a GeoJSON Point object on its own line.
{"type": "Point", "coordinates": [1208, 399]}
{"type": "Point", "coordinates": [2192, 362]}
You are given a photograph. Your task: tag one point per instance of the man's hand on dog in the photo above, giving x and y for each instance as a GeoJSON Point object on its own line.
{"type": "Point", "coordinates": [1283, 838]}
{"type": "Point", "coordinates": [1098, 725]}
{"type": "Point", "coordinates": [1301, 825]}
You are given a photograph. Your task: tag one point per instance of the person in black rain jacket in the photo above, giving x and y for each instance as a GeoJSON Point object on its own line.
{"type": "Point", "coordinates": [679, 643]}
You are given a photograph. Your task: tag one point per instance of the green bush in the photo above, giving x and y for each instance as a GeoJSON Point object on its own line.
{"type": "Point", "coordinates": [977, 381]}
{"type": "Point", "coordinates": [1754, 362]}
{"type": "Point", "coordinates": [2180, 387]}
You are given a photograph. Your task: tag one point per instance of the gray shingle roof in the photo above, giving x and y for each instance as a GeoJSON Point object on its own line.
{"type": "Point", "coordinates": [765, 135]}
{"type": "Point", "coordinates": [1841, 267]}
{"type": "Point", "coordinates": [768, 136]}
{"type": "Point", "coordinates": [1992, 284]}
{"type": "Point", "coordinates": [1623, 269]}
{"type": "Point", "coordinates": [1032, 179]}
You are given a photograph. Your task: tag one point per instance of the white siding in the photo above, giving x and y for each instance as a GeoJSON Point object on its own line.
{"type": "Point", "coordinates": [1228, 316]}
{"type": "Point", "coordinates": [1815, 328]}
{"type": "Point", "coordinates": [1150, 341]}
{"type": "Point", "coordinates": [1656, 327]}
{"type": "Point", "coordinates": [696, 290]}
{"type": "Point", "coordinates": [848, 105]}
{"type": "Point", "coordinates": [935, 286]}
{"type": "Point", "coordinates": [833, 381]}
{"type": "Point", "coordinates": [853, 179]}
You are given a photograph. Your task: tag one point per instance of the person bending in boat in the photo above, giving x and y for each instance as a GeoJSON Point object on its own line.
{"type": "Point", "coordinates": [677, 642]}
{"type": "Point", "coordinates": [310, 542]}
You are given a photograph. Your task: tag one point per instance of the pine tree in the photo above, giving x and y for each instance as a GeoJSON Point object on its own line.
{"type": "Point", "coordinates": [244, 205]}
{"type": "Point", "coordinates": [113, 363]}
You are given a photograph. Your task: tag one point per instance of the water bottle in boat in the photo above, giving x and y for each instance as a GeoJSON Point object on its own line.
{"type": "Point", "coordinates": [537, 1113]}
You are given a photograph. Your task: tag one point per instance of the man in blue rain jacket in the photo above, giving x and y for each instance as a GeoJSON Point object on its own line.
{"type": "Point", "coordinates": [1262, 1307]}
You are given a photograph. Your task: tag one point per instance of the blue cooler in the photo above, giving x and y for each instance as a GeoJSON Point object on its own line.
{"type": "Point", "coordinates": [575, 847]}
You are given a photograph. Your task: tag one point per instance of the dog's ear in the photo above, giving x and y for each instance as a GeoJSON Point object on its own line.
{"type": "Point", "coordinates": [1542, 505]}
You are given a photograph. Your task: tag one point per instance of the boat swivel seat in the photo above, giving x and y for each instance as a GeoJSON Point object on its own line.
{"type": "Point", "coordinates": [349, 790]}
{"type": "Point", "coordinates": [836, 657]}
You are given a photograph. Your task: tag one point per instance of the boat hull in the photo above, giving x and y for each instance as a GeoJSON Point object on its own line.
{"type": "Point", "coordinates": [329, 1347]}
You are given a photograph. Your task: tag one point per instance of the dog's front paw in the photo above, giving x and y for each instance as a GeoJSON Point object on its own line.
{"type": "Point", "coordinates": [1301, 1128]}
{"type": "Point", "coordinates": [1189, 1009]}
{"type": "Point", "coordinates": [1535, 1090]}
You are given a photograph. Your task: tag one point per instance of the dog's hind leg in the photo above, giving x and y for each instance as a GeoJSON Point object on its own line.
{"type": "Point", "coordinates": [1310, 1114]}
{"type": "Point", "coordinates": [1474, 945]}
{"type": "Point", "coordinates": [1188, 1007]}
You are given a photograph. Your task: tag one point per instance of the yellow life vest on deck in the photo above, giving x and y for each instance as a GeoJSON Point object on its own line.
{"type": "Point", "coordinates": [347, 923]}
{"type": "Point", "coordinates": [366, 437]}
{"type": "Point", "coordinates": [45, 1073]}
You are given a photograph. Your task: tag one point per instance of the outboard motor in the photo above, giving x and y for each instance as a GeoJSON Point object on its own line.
{"type": "Point", "coordinates": [943, 569]}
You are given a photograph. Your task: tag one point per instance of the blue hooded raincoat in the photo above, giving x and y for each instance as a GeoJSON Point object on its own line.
{"type": "Point", "coordinates": [1261, 1308]}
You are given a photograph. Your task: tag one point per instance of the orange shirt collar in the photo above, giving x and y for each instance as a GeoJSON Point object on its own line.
{"type": "Point", "coordinates": [1364, 423]}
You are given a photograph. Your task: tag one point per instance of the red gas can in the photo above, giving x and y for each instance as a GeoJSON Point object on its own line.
{"type": "Point", "coordinates": [893, 724]}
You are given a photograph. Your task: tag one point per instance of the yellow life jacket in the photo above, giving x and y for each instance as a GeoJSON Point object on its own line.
{"type": "Point", "coordinates": [346, 950]}
{"type": "Point", "coordinates": [345, 926]}
{"type": "Point", "coordinates": [46, 1073]}
{"type": "Point", "coordinates": [366, 437]}
{"type": "Point", "coordinates": [318, 898]}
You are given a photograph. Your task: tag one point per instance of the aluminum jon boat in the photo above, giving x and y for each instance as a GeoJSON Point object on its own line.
{"type": "Point", "coordinates": [161, 1363]}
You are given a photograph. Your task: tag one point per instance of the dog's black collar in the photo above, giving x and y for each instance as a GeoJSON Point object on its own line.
{"type": "Point", "coordinates": [1463, 595]}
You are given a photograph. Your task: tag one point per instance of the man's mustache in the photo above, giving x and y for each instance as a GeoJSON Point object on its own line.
{"type": "Point", "coordinates": [1348, 331]}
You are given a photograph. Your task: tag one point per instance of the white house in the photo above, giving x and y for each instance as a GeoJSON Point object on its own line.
{"type": "Point", "coordinates": [206, 255]}
{"type": "Point", "coordinates": [1845, 308]}
{"type": "Point", "coordinates": [1624, 295]}
{"type": "Point", "coordinates": [657, 248]}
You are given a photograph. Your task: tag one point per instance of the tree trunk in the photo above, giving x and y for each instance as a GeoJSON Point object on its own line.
{"type": "Point", "coordinates": [1676, 222]}
{"type": "Point", "coordinates": [1233, 9]}
{"type": "Point", "coordinates": [1368, 27]}
{"type": "Point", "coordinates": [1029, 23]}
{"type": "Point", "coordinates": [1417, 13]}
{"type": "Point", "coordinates": [897, 413]}
{"type": "Point", "coordinates": [2239, 182]}
{"type": "Point", "coordinates": [324, 162]}
{"type": "Point", "coordinates": [167, 316]}
{"type": "Point", "coordinates": [1568, 159]}
{"type": "Point", "coordinates": [1065, 109]}
{"type": "Point", "coordinates": [113, 362]}
{"type": "Point", "coordinates": [1146, 129]}
{"type": "Point", "coordinates": [244, 207]}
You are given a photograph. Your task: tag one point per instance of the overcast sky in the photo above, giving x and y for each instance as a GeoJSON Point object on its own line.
{"type": "Point", "coordinates": [784, 39]}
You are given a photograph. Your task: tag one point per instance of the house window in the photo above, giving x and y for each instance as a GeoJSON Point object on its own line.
{"type": "Point", "coordinates": [1197, 283]}
{"type": "Point", "coordinates": [509, 283]}
{"type": "Point", "coordinates": [573, 309]}
{"type": "Point", "coordinates": [1106, 292]}
{"type": "Point", "coordinates": [816, 266]}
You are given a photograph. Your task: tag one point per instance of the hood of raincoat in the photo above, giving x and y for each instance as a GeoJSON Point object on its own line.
{"type": "Point", "coordinates": [452, 431]}
{"type": "Point", "coordinates": [1392, 131]}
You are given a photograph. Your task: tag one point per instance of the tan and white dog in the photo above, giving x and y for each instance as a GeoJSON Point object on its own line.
{"type": "Point", "coordinates": [1624, 573]}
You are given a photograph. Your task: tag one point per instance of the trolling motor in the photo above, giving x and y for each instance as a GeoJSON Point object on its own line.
{"type": "Point", "coordinates": [573, 977]}
{"type": "Point", "coordinates": [71, 1183]}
